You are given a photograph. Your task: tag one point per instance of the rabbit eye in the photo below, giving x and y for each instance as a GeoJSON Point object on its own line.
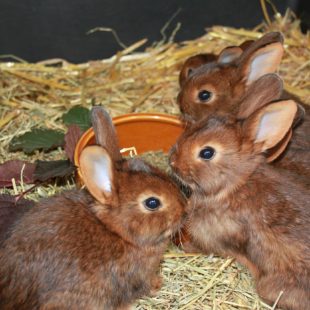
{"type": "Point", "coordinates": [207, 153]}
{"type": "Point", "coordinates": [204, 95]}
{"type": "Point", "coordinates": [152, 203]}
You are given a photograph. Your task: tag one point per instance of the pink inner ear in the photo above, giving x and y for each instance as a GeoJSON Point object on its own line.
{"type": "Point", "coordinates": [267, 126]}
{"type": "Point", "coordinates": [264, 61]}
{"type": "Point", "coordinates": [102, 175]}
{"type": "Point", "coordinates": [97, 171]}
{"type": "Point", "coordinates": [274, 121]}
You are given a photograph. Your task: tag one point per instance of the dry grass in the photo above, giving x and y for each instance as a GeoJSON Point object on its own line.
{"type": "Point", "coordinates": [36, 95]}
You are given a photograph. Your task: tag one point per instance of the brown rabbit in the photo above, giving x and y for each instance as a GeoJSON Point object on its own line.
{"type": "Point", "coordinates": [96, 250]}
{"type": "Point", "coordinates": [220, 87]}
{"type": "Point", "coordinates": [244, 207]}
{"type": "Point", "coordinates": [227, 55]}
{"type": "Point", "coordinates": [266, 89]}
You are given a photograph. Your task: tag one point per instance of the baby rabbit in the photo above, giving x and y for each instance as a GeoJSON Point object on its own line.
{"type": "Point", "coordinates": [218, 85]}
{"type": "Point", "coordinates": [243, 207]}
{"type": "Point", "coordinates": [227, 55]}
{"type": "Point", "coordinates": [93, 250]}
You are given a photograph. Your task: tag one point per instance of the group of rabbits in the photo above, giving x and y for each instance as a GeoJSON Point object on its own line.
{"type": "Point", "coordinates": [244, 156]}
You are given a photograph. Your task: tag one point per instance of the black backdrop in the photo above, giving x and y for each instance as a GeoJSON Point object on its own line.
{"type": "Point", "coordinates": [41, 29]}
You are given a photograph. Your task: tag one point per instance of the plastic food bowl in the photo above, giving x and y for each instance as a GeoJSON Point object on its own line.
{"type": "Point", "coordinates": [143, 131]}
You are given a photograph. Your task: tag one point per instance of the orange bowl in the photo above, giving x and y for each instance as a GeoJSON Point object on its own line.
{"type": "Point", "coordinates": [144, 131]}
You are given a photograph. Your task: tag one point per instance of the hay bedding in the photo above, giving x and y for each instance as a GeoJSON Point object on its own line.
{"type": "Point", "coordinates": [36, 95]}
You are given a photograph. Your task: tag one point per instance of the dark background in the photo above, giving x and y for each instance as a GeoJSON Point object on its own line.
{"type": "Point", "coordinates": [41, 29]}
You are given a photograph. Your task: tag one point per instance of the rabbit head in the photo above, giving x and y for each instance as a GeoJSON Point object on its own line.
{"type": "Point", "coordinates": [218, 154]}
{"type": "Point", "coordinates": [227, 55]}
{"type": "Point", "coordinates": [134, 199]}
{"type": "Point", "coordinates": [218, 85]}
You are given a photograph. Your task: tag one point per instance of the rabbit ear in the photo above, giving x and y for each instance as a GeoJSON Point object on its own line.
{"type": "Point", "coordinates": [193, 63]}
{"type": "Point", "coordinates": [246, 44]}
{"type": "Point", "coordinates": [266, 89]}
{"type": "Point", "coordinates": [97, 170]}
{"type": "Point", "coordinates": [277, 150]}
{"type": "Point", "coordinates": [229, 54]}
{"type": "Point", "coordinates": [261, 57]}
{"type": "Point", "coordinates": [269, 125]}
{"type": "Point", "coordinates": [105, 132]}
{"type": "Point", "coordinates": [263, 61]}
{"type": "Point", "coordinates": [268, 38]}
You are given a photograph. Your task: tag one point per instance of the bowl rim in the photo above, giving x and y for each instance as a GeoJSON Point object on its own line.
{"type": "Point", "coordinates": [155, 117]}
{"type": "Point", "coordinates": [127, 118]}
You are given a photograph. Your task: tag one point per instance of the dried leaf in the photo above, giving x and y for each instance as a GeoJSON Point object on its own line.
{"type": "Point", "coordinates": [79, 116]}
{"type": "Point", "coordinates": [37, 139]}
{"type": "Point", "coordinates": [46, 170]}
{"type": "Point", "coordinates": [11, 211]}
{"type": "Point", "coordinates": [18, 170]}
{"type": "Point", "coordinates": [71, 139]}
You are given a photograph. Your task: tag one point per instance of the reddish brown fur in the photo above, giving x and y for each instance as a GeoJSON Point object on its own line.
{"type": "Point", "coordinates": [228, 83]}
{"type": "Point", "coordinates": [194, 62]}
{"type": "Point", "coordinates": [245, 208]}
{"type": "Point", "coordinates": [62, 254]}
{"type": "Point", "coordinates": [198, 60]}
{"type": "Point", "coordinates": [74, 252]}
{"type": "Point", "coordinates": [225, 90]}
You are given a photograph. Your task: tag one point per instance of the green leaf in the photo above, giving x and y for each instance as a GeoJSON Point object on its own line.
{"type": "Point", "coordinates": [79, 116]}
{"type": "Point", "coordinates": [37, 139]}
